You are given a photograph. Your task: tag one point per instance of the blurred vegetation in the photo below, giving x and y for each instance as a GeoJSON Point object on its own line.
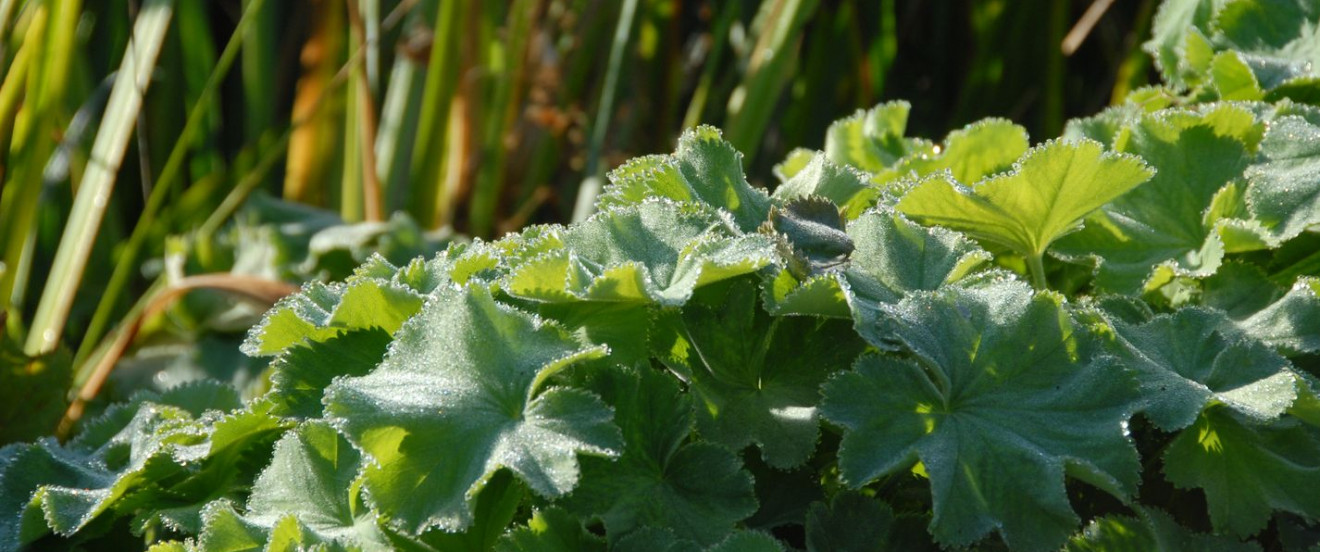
{"type": "Point", "coordinates": [468, 118]}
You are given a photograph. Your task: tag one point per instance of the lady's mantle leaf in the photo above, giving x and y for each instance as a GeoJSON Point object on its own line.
{"type": "Point", "coordinates": [136, 459]}
{"type": "Point", "coordinates": [852, 522]}
{"type": "Point", "coordinates": [697, 490]}
{"type": "Point", "coordinates": [661, 540]}
{"type": "Point", "coordinates": [363, 301]}
{"type": "Point", "coordinates": [458, 397]}
{"type": "Point", "coordinates": [1002, 400]}
{"type": "Point", "coordinates": [843, 185]}
{"type": "Point", "coordinates": [310, 483]}
{"type": "Point", "coordinates": [895, 257]}
{"type": "Point", "coordinates": [705, 169]}
{"type": "Point", "coordinates": [1190, 359]}
{"type": "Point", "coordinates": [1163, 223]}
{"type": "Point", "coordinates": [1153, 531]}
{"type": "Point", "coordinates": [870, 140]}
{"type": "Point", "coordinates": [1046, 195]}
{"type": "Point", "coordinates": [756, 379]}
{"type": "Point", "coordinates": [1283, 189]}
{"type": "Point", "coordinates": [1289, 323]}
{"type": "Point", "coordinates": [654, 252]}
{"type": "Point", "coordinates": [892, 257]}
{"type": "Point", "coordinates": [973, 152]}
{"type": "Point", "coordinates": [550, 530]}
{"type": "Point", "coordinates": [1247, 469]}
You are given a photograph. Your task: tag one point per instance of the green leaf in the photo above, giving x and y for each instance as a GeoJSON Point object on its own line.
{"type": "Point", "coordinates": [300, 375]}
{"type": "Point", "coordinates": [1288, 29]}
{"type": "Point", "coordinates": [1045, 197]}
{"type": "Point", "coordinates": [809, 235]}
{"type": "Point", "coordinates": [1161, 224]}
{"type": "Point", "coordinates": [308, 494]}
{"type": "Point", "coordinates": [1190, 359]}
{"type": "Point", "coordinates": [697, 490]}
{"type": "Point", "coordinates": [320, 312]}
{"type": "Point", "coordinates": [550, 530]}
{"type": "Point", "coordinates": [659, 540]}
{"type": "Point", "coordinates": [654, 252]}
{"type": "Point", "coordinates": [1004, 399]}
{"type": "Point", "coordinates": [978, 150]}
{"type": "Point", "coordinates": [895, 258]}
{"type": "Point", "coordinates": [460, 396]}
{"type": "Point", "coordinates": [1283, 189]}
{"type": "Point", "coordinates": [1289, 323]}
{"type": "Point", "coordinates": [130, 450]}
{"type": "Point", "coordinates": [705, 169]}
{"type": "Point", "coordinates": [1233, 79]}
{"type": "Point", "coordinates": [870, 140]}
{"type": "Point", "coordinates": [1152, 531]}
{"type": "Point", "coordinates": [852, 522]}
{"type": "Point", "coordinates": [1247, 469]}
{"type": "Point", "coordinates": [841, 184]}
{"type": "Point", "coordinates": [756, 379]}
{"type": "Point", "coordinates": [1174, 21]}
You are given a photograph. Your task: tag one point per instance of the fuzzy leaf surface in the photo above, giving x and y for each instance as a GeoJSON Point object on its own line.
{"type": "Point", "coordinates": [654, 252]}
{"type": "Point", "coordinates": [1003, 400]}
{"type": "Point", "coordinates": [1247, 469]}
{"type": "Point", "coordinates": [1045, 197]}
{"type": "Point", "coordinates": [698, 491]}
{"type": "Point", "coordinates": [1190, 359]}
{"type": "Point", "coordinates": [459, 397]}
{"type": "Point", "coordinates": [704, 169]}
{"type": "Point", "coordinates": [1162, 223]}
{"type": "Point", "coordinates": [1283, 190]}
{"type": "Point", "coordinates": [756, 379]}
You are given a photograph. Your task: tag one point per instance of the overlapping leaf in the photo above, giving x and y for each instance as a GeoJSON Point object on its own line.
{"type": "Point", "coordinates": [843, 185]}
{"type": "Point", "coordinates": [1283, 190]}
{"type": "Point", "coordinates": [158, 458]}
{"type": "Point", "coordinates": [756, 379]}
{"type": "Point", "coordinates": [1052, 187]}
{"type": "Point", "coordinates": [1247, 468]}
{"type": "Point", "coordinates": [1289, 323]}
{"type": "Point", "coordinates": [704, 169]}
{"type": "Point", "coordinates": [1190, 359]}
{"type": "Point", "coordinates": [891, 257]}
{"type": "Point", "coordinates": [1004, 399]}
{"type": "Point", "coordinates": [871, 140]}
{"type": "Point", "coordinates": [1151, 531]}
{"type": "Point", "coordinates": [460, 396]}
{"type": "Point", "coordinates": [654, 252]}
{"type": "Point", "coordinates": [364, 301]}
{"type": "Point", "coordinates": [972, 153]}
{"type": "Point", "coordinates": [698, 490]}
{"type": "Point", "coordinates": [309, 490]}
{"type": "Point", "coordinates": [1163, 223]}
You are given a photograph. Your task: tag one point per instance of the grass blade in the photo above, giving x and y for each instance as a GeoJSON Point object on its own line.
{"type": "Point", "coordinates": [591, 185]}
{"type": "Point", "coordinates": [99, 180]}
{"type": "Point", "coordinates": [126, 263]}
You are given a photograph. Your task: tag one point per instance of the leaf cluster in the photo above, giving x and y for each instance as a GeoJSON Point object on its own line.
{"type": "Point", "coordinates": [1103, 341]}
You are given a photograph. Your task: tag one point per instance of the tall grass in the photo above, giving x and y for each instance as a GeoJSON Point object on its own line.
{"type": "Point", "coordinates": [125, 121]}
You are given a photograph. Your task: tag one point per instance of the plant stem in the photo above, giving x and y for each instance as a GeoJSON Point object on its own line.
{"type": "Point", "coordinates": [1036, 266]}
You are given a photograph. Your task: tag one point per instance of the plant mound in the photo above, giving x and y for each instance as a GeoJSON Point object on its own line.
{"type": "Point", "coordinates": [1104, 341]}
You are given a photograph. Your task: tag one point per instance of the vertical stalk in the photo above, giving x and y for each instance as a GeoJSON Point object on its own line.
{"type": "Point", "coordinates": [1051, 121]}
{"type": "Point", "coordinates": [428, 154]}
{"type": "Point", "coordinates": [586, 198]}
{"type": "Point", "coordinates": [126, 263]}
{"type": "Point", "coordinates": [1036, 266]}
{"type": "Point", "coordinates": [99, 180]}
